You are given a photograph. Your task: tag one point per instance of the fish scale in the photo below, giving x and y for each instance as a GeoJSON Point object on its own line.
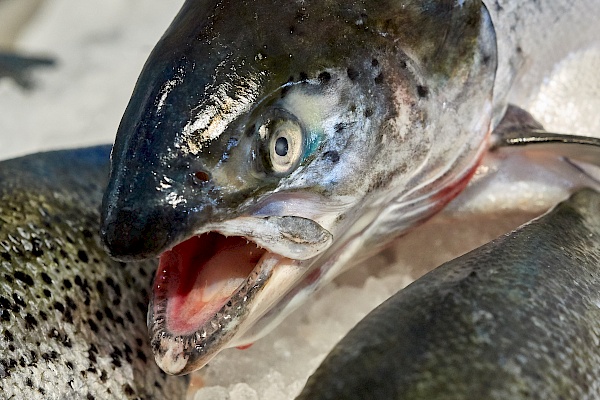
{"type": "Point", "coordinates": [73, 322]}
{"type": "Point", "coordinates": [517, 318]}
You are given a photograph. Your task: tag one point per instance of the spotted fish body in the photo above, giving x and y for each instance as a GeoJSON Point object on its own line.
{"type": "Point", "coordinates": [269, 145]}
{"type": "Point", "coordinates": [514, 319]}
{"type": "Point", "coordinates": [72, 320]}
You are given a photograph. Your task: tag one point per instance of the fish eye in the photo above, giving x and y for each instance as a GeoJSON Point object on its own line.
{"type": "Point", "coordinates": [285, 145]}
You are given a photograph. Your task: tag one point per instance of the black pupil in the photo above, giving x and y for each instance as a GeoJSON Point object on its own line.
{"type": "Point", "coordinates": [281, 146]}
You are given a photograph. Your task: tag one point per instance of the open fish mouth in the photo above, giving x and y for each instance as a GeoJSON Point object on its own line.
{"type": "Point", "coordinates": [207, 287]}
{"type": "Point", "coordinates": [204, 285]}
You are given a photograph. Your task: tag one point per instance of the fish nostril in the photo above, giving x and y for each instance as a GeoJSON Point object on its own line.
{"type": "Point", "coordinates": [202, 176]}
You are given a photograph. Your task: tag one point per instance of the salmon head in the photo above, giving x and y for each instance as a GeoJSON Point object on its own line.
{"type": "Point", "coordinates": [269, 144]}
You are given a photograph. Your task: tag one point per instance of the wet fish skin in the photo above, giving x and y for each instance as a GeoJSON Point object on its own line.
{"type": "Point", "coordinates": [73, 321]}
{"type": "Point", "coordinates": [408, 84]}
{"type": "Point", "coordinates": [207, 84]}
{"type": "Point", "coordinates": [516, 318]}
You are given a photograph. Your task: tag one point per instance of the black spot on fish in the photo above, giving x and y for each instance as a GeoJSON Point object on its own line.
{"type": "Point", "coordinates": [42, 391]}
{"type": "Point", "coordinates": [402, 64]}
{"type": "Point", "coordinates": [23, 277]}
{"type": "Point", "coordinates": [368, 112]}
{"type": "Point", "coordinates": [128, 390]}
{"type": "Point", "coordinates": [59, 306]}
{"type": "Point", "coordinates": [36, 250]}
{"type": "Point", "coordinates": [422, 91]}
{"type": "Point", "coordinates": [103, 376]}
{"type": "Point", "coordinates": [30, 321]}
{"type": "Point", "coordinates": [69, 365]}
{"type": "Point", "coordinates": [8, 337]}
{"type": "Point", "coordinates": [4, 316]}
{"type": "Point", "coordinates": [6, 256]}
{"type": "Point", "coordinates": [139, 341]}
{"type": "Point", "coordinates": [129, 317]}
{"type": "Point", "coordinates": [99, 315]}
{"type": "Point", "coordinates": [352, 74]}
{"type": "Point", "coordinates": [83, 284]}
{"type": "Point", "coordinates": [11, 347]}
{"type": "Point", "coordinates": [339, 127]}
{"type": "Point", "coordinates": [119, 320]}
{"type": "Point", "coordinates": [92, 325]}
{"type": "Point", "coordinates": [53, 355]}
{"type": "Point", "coordinates": [29, 382]}
{"type": "Point", "coordinates": [140, 355]}
{"type": "Point", "coordinates": [108, 313]}
{"type": "Point", "coordinates": [90, 397]}
{"type": "Point", "coordinates": [374, 62]}
{"type": "Point", "coordinates": [8, 278]}
{"type": "Point", "coordinates": [324, 77]}
{"type": "Point", "coordinates": [18, 300]}
{"type": "Point", "coordinates": [100, 287]}
{"type": "Point", "coordinates": [5, 303]}
{"type": "Point", "coordinates": [46, 278]}
{"type": "Point", "coordinates": [82, 255]}
{"type": "Point", "coordinates": [332, 156]}
{"type": "Point", "coordinates": [70, 303]}
{"type": "Point", "coordinates": [379, 79]}
{"type": "Point", "coordinates": [87, 234]}
{"type": "Point", "coordinates": [67, 284]}
{"type": "Point", "coordinates": [43, 316]}
{"type": "Point", "coordinates": [47, 293]}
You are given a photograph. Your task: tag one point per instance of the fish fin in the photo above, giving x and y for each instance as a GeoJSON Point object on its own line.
{"type": "Point", "coordinates": [518, 129]}
{"type": "Point", "coordinates": [528, 170]}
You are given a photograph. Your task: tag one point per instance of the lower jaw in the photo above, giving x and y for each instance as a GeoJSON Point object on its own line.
{"type": "Point", "coordinates": [183, 324]}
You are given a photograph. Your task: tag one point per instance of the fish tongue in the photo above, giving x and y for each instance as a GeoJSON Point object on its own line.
{"type": "Point", "coordinates": [199, 276]}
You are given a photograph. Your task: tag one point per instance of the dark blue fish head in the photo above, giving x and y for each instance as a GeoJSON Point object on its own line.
{"type": "Point", "coordinates": [208, 130]}
{"type": "Point", "coordinates": [168, 174]}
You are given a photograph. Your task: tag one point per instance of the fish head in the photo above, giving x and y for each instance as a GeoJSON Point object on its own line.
{"type": "Point", "coordinates": [263, 140]}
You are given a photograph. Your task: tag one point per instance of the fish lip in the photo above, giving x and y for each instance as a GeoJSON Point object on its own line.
{"type": "Point", "coordinates": [180, 354]}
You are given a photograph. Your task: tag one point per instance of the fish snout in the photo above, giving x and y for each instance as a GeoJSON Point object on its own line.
{"type": "Point", "coordinates": [132, 234]}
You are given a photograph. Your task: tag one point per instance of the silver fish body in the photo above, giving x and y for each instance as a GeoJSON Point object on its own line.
{"type": "Point", "coordinates": [73, 321]}
{"type": "Point", "coordinates": [269, 145]}
{"type": "Point", "coordinates": [514, 319]}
